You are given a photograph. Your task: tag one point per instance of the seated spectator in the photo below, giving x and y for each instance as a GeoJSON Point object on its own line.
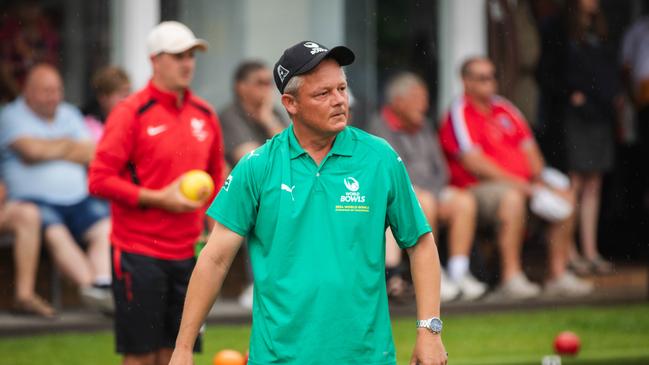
{"type": "Point", "coordinates": [45, 148]}
{"type": "Point", "coordinates": [23, 221]}
{"type": "Point", "coordinates": [249, 121]}
{"type": "Point", "coordinates": [403, 123]}
{"type": "Point", "coordinates": [251, 118]}
{"type": "Point", "coordinates": [491, 150]}
{"type": "Point", "coordinates": [111, 85]}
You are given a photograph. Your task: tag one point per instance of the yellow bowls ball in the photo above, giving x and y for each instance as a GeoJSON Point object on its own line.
{"type": "Point", "coordinates": [196, 185]}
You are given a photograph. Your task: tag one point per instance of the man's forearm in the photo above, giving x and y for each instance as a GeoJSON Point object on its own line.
{"type": "Point", "coordinates": [149, 198]}
{"type": "Point", "coordinates": [273, 125]}
{"type": "Point", "coordinates": [203, 287]}
{"type": "Point", "coordinates": [205, 283]}
{"type": "Point", "coordinates": [535, 158]}
{"type": "Point", "coordinates": [486, 169]}
{"type": "Point", "coordinates": [35, 150]}
{"type": "Point", "coordinates": [81, 152]}
{"type": "Point", "coordinates": [426, 272]}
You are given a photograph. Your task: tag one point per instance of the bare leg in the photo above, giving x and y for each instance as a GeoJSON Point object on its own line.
{"type": "Point", "coordinates": [140, 359]}
{"type": "Point", "coordinates": [163, 356]}
{"type": "Point", "coordinates": [428, 205]}
{"type": "Point", "coordinates": [589, 214]}
{"type": "Point", "coordinates": [577, 185]}
{"type": "Point", "coordinates": [392, 250]}
{"type": "Point", "coordinates": [459, 210]}
{"type": "Point", "coordinates": [393, 253]}
{"type": "Point", "coordinates": [512, 215]}
{"type": "Point", "coordinates": [23, 219]}
{"type": "Point", "coordinates": [559, 236]}
{"type": "Point", "coordinates": [67, 255]}
{"type": "Point", "coordinates": [99, 248]}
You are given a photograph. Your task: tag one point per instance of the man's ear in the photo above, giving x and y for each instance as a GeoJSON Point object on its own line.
{"type": "Point", "coordinates": [290, 103]}
{"type": "Point", "coordinates": [153, 59]}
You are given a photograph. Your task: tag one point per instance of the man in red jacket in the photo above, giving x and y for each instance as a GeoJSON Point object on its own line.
{"type": "Point", "coordinates": [150, 140]}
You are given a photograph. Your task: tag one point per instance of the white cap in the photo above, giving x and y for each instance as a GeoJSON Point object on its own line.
{"type": "Point", "coordinates": [549, 205]}
{"type": "Point", "coordinates": [173, 37]}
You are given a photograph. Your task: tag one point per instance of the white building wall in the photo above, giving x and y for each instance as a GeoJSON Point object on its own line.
{"type": "Point", "coordinates": [259, 29]}
{"type": "Point", "coordinates": [462, 33]}
{"type": "Point", "coordinates": [131, 23]}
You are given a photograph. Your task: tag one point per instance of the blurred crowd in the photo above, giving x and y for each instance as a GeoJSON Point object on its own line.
{"type": "Point", "coordinates": [487, 173]}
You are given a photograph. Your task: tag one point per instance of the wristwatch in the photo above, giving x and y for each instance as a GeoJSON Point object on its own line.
{"type": "Point", "coordinates": [434, 325]}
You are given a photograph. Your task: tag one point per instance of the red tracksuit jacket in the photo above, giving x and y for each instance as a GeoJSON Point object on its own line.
{"type": "Point", "coordinates": [149, 142]}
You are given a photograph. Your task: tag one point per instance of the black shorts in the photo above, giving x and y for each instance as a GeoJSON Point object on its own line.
{"type": "Point", "coordinates": [149, 296]}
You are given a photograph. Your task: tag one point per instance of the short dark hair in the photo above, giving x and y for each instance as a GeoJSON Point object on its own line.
{"type": "Point", "coordinates": [245, 68]}
{"type": "Point", "coordinates": [109, 79]}
{"type": "Point", "coordinates": [465, 69]}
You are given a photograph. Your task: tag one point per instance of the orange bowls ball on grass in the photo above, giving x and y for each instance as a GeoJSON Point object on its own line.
{"type": "Point", "coordinates": [228, 357]}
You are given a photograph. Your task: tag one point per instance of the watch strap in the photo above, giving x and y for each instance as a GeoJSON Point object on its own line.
{"type": "Point", "coordinates": [426, 323]}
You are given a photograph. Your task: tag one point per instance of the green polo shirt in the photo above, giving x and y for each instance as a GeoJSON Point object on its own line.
{"type": "Point", "coordinates": [316, 237]}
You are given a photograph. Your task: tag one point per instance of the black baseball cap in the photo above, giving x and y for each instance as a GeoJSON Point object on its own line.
{"type": "Point", "coordinates": [304, 57]}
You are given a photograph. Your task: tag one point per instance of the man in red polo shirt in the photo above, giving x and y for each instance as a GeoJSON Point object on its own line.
{"type": "Point", "coordinates": [491, 150]}
{"type": "Point", "coordinates": [150, 140]}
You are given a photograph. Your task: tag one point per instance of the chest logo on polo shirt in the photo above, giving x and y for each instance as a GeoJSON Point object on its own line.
{"type": "Point", "coordinates": [351, 184]}
{"type": "Point", "coordinates": [506, 123]}
{"type": "Point", "coordinates": [288, 189]}
{"type": "Point", "coordinates": [154, 131]}
{"type": "Point", "coordinates": [198, 129]}
{"type": "Point", "coordinates": [353, 199]}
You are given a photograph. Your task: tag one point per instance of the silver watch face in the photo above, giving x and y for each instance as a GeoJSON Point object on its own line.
{"type": "Point", "coordinates": [435, 325]}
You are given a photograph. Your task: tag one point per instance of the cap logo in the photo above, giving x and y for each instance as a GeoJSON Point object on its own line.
{"type": "Point", "coordinates": [282, 72]}
{"type": "Point", "coordinates": [315, 48]}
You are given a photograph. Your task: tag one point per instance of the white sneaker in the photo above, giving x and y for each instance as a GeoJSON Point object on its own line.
{"type": "Point", "coordinates": [471, 288]}
{"type": "Point", "coordinates": [516, 288]}
{"type": "Point", "coordinates": [448, 290]}
{"type": "Point", "coordinates": [99, 297]}
{"type": "Point", "coordinates": [568, 285]}
{"type": "Point", "coordinates": [245, 298]}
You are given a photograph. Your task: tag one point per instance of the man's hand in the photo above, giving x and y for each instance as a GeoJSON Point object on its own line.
{"type": "Point", "coordinates": [182, 356]}
{"type": "Point", "coordinates": [429, 349]}
{"type": "Point", "coordinates": [265, 112]}
{"type": "Point", "coordinates": [169, 198]}
{"type": "Point", "coordinates": [523, 186]}
{"type": "Point", "coordinates": [267, 117]}
{"type": "Point", "coordinates": [426, 271]}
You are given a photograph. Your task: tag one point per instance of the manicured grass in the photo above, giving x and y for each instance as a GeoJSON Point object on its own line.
{"type": "Point", "coordinates": [610, 335]}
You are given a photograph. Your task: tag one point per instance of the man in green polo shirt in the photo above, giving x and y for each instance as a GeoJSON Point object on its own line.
{"type": "Point", "coordinates": [314, 202]}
